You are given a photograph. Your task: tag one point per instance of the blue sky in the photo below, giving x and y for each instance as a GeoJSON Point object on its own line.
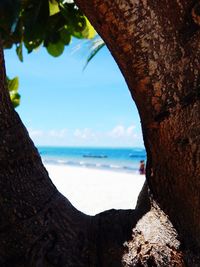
{"type": "Point", "coordinates": [62, 105]}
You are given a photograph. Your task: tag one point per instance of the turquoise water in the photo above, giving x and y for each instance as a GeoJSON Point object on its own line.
{"type": "Point", "coordinates": [118, 159]}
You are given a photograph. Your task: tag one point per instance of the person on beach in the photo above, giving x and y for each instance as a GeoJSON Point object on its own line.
{"type": "Point", "coordinates": [142, 167]}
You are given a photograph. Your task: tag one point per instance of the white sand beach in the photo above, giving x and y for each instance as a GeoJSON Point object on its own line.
{"type": "Point", "coordinates": [92, 191]}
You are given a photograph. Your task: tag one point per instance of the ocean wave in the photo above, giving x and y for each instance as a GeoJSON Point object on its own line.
{"type": "Point", "coordinates": [93, 165]}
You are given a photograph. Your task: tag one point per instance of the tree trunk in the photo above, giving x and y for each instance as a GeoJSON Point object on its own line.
{"type": "Point", "coordinates": [39, 227]}
{"type": "Point", "coordinates": [157, 45]}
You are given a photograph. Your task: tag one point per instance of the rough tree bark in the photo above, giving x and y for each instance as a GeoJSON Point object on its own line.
{"type": "Point", "coordinates": [156, 45]}
{"type": "Point", "coordinates": [36, 220]}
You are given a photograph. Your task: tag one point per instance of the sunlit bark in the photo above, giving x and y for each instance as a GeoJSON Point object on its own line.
{"type": "Point", "coordinates": [157, 45]}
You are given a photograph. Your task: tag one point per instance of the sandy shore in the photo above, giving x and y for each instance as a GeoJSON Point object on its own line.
{"type": "Point", "coordinates": [93, 191]}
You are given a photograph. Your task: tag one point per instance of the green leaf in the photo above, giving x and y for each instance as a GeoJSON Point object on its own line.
{"type": "Point", "coordinates": [13, 84]}
{"type": "Point", "coordinates": [30, 46]}
{"type": "Point", "coordinates": [19, 52]}
{"type": "Point", "coordinates": [55, 49]}
{"type": "Point", "coordinates": [53, 7]}
{"type": "Point", "coordinates": [15, 98]}
{"type": "Point", "coordinates": [35, 20]}
{"type": "Point", "coordinates": [65, 36]}
{"type": "Point", "coordinates": [89, 32]}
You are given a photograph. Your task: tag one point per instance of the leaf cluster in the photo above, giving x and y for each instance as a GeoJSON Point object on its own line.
{"type": "Point", "coordinates": [51, 23]}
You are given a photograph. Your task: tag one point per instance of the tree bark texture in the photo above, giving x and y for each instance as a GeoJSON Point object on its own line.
{"type": "Point", "coordinates": [38, 226]}
{"type": "Point", "coordinates": [157, 47]}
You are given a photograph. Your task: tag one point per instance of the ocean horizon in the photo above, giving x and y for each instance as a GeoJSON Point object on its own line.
{"type": "Point", "coordinates": [108, 158]}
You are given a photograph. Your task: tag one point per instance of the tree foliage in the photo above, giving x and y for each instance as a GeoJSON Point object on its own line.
{"type": "Point", "coordinates": [50, 23]}
{"type": "Point", "coordinates": [29, 24]}
{"type": "Point", "coordinates": [13, 86]}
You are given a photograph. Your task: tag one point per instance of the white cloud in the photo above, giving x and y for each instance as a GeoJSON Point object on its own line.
{"type": "Point", "coordinates": [35, 133]}
{"type": "Point", "coordinates": [121, 131]}
{"type": "Point", "coordinates": [85, 133]}
{"type": "Point", "coordinates": [117, 132]}
{"type": "Point", "coordinates": [130, 130]}
{"type": "Point", "coordinates": [58, 133]}
{"type": "Point", "coordinates": [120, 135]}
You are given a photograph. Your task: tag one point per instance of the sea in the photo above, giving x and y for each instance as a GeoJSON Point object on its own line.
{"type": "Point", "coordinates": [114, 159]}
